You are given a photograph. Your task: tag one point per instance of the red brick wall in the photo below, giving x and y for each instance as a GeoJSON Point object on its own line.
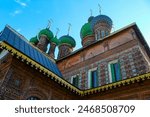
{"type": "Point", "coordinates": [122, 46]}
{"type": "Point", "coordinates": [24, 81]}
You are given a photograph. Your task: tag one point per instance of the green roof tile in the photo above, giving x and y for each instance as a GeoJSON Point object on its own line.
{"type": "Point", "coordinates": [47, 33]}
{"type": "Point", "coordinates": [66, 39]}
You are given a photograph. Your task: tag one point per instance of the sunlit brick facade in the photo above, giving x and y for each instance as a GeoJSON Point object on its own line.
{"type": "Point", "coordinates": [109, 65]}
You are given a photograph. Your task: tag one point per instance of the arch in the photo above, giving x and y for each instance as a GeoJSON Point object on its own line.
{"type": "Point", "coordinates": [35, 93]}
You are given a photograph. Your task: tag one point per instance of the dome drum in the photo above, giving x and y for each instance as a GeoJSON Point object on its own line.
{"type": "Point", "coordinates": [53, 43]}
{"type": "Point", "coordinates": [45, 36]}
{"type": "Point", "coordinates": [52, 48]}
{"type": "Point", "coordinates": [64, 50]}
{"type": "Point", "coordinates": [43, 43]}
{"type": "Point", "coordinates": [88, 40]}
{"type": "Point", "coordinates": [66, 45]}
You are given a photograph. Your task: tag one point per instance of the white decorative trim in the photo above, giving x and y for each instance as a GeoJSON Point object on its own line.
{"type": "Point", "coordinates": [144, 56]}
{"type": "Point", "coordinates": [89, 78]}
{"type": "Point", "coordinates": [109, 69]}
{"type": "Point", "coordinates": [74, 77]}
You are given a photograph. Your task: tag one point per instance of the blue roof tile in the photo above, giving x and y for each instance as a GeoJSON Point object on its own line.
{"type": "Point", "coordinates": [18, 42]}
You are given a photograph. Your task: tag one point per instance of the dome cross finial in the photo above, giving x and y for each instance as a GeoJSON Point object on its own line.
{"type": "Point", "coordinates": [99, 8]}
{"type": "Point", "coordinates": [69, 28]}
{"type": "Point", "coordinates": [91, 12]}
{"type": "Point", "coordinates": [49, 23]}
{"type": "Point", "coordinates": [57, 31]}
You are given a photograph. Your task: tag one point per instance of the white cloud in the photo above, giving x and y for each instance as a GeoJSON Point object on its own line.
{"type": "Point", "coordinates": [16, 12]}
{"type": "Point", "coordinates": [20, 2]}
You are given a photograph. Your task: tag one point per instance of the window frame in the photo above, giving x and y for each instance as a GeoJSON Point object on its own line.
{"type": "Point", "coordinates": [102, 33]}
{"type": "Point", "coordinates": [90, 78]}
{"type": "Point", "coordinates": [110, 72]}
{"type": "Point", "coordinates": [74, 76]}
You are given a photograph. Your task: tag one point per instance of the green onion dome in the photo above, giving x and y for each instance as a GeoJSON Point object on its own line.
{"type": "Point", "coordinates": [66, 39]}
{"type": "Point", "coordinates": [86, 29]}
{"type": "Point", "coordinates": [47, 33]}
{"type": "Point", "coordinates": [55, 40]}
{"type": "Point", "coordinates": [34, 40]}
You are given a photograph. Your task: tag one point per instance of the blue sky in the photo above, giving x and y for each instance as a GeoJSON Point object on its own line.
{"type": "Point", "coordinates": [30, 16]}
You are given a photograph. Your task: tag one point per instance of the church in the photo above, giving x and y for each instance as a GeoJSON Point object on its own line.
{"type": "Point", "coordinates": [108, 66]}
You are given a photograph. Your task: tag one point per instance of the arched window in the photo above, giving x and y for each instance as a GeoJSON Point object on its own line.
{"type": "Point", "coordinates": [102, 33]}
{"type": "Point", "coordinates": [98, 35]}
{"type": "Point", "coordinates": [33, 98]}
{"type": "Point", "coordinates": [107, 33]}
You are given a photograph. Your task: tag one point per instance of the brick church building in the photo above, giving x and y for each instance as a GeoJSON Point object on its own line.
{"type": "Point", "coordinates": [109, 65]}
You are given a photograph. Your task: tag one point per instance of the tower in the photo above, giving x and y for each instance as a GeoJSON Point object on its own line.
{"type": "Point", "coordinates": [53, 43]}
{"type": "Point", "coordinates": [86, 33]}
{"type": "Point", "coordinates": [45, 36]}
{"type": "Point", "coordinates": [66, 45]}
{"type": "Point", "coordinates": [101, 26]}
{"type": "Point", "coordinates": [96, 29]}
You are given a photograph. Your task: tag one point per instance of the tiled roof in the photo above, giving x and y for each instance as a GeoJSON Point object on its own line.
{"type": "Point", "coordinates": [18, 42]}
